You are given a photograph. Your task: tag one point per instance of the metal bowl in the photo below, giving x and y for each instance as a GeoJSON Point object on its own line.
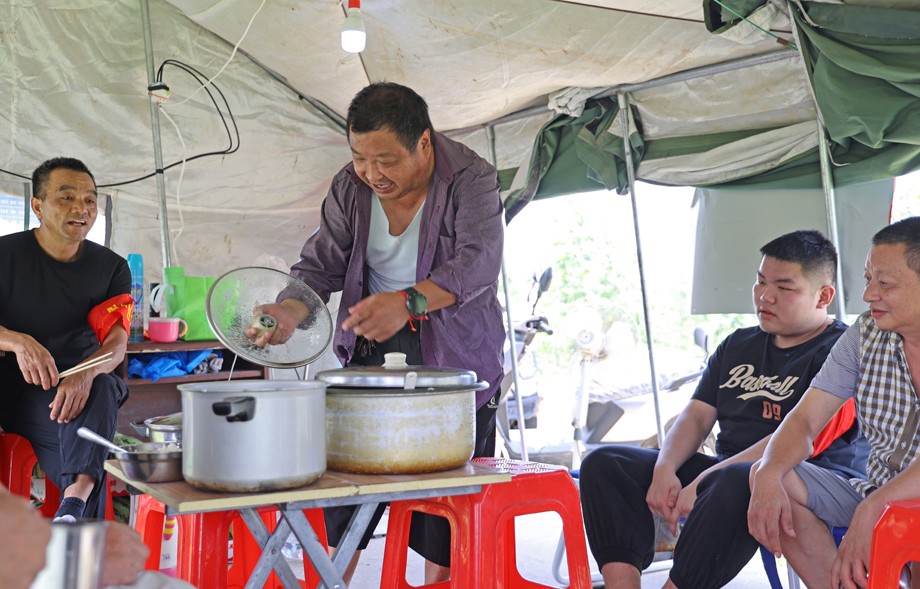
{"type": "Point", "coordinates": [152, 462]}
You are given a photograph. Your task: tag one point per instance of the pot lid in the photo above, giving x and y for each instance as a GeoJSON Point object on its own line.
{"type": "Point", "coordinates": [230, 303]}
{"type": "Point", "coordinates": [169, 422]}
{"type": "Point", "coordinates": [396, 374]}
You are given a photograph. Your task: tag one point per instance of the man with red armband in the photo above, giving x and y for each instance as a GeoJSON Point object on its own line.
{"type": "Point", "coordinates": [63, 300]}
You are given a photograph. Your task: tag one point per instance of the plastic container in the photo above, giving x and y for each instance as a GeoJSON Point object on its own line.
{"type": "Point", "coordinates": [136, 265]}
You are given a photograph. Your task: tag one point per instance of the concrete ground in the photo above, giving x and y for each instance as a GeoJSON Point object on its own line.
{"type": "Point", "coordinates": [538, 538]}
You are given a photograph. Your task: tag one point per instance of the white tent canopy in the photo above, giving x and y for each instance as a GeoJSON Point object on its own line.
{"type": "Point", "coordinates": [74, 79]}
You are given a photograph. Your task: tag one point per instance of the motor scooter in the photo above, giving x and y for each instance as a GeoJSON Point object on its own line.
{"type": "Point", "coordinates": [508, 414]}
{"type": "Point", "coordinates": [624, 412]}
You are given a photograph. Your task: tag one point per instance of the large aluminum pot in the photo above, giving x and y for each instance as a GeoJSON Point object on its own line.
{"type": "Point", "coordinates": [400, 420]}
{"type": "Point", "coordinates": [253, 435]}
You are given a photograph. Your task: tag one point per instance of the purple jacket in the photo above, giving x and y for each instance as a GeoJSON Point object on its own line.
{"type": "Point", "coordinates": [460, 250]}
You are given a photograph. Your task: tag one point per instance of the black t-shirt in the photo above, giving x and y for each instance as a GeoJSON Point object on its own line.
{"type": "Point", "coordinates": [50, 300]}
{"type": "Point", "coordinates": [753, 385]}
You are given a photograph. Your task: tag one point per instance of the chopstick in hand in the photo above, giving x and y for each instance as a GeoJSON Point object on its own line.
{"type": "Point", "coordinates": [86, 365]}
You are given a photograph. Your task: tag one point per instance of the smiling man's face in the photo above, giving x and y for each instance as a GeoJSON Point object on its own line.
{"type": "Point", "coordinates": [67, 206]}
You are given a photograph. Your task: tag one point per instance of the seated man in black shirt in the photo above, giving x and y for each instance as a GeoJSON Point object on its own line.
{"type": "Point", "coordinates": [63, 300]}
{"type": "Point", "coordinates": [751, 382]}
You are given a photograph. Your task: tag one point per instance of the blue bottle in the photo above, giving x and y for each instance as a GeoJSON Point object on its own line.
{"type": "Point", "coordinates": [136, 265]}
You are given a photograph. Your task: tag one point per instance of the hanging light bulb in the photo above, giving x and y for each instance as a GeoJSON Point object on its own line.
{"type": "Point", "coordinates": [353, 35]}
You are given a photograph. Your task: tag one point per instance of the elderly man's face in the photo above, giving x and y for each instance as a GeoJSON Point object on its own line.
{"type": "Point", "coordinates": [67, 209]}
{"type": "Point", "coordinates": [391, 170]}
{"type": "Point", "coordinates": [892, 289]}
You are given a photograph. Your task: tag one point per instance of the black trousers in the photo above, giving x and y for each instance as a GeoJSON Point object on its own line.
{"type": "Point", "coordinates": [429, 535]}
{"type": "Point", "coordinates": [714, 544]}
{"type": "Point", "coordinates": [61, 453]}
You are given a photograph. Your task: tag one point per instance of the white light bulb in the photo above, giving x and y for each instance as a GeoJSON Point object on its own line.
{"type": "Point", "coordinates": [353, 36]}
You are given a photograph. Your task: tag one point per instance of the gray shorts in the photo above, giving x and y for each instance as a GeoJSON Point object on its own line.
{"type": "Point", "coordinates": [830, 496]}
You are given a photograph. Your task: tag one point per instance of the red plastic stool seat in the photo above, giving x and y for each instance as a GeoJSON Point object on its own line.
{"type": "Point", "coordinates": [203, 557]}
{"type": "Point", "coordinates": [895, 541]}
{"type": "Point", "coordinates": [483, 550]}
{"type": "Point", "coordinates": [18, 460]}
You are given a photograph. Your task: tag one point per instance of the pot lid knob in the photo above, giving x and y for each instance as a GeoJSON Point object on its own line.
{"type": "Point", "coordinates": [394, 360]}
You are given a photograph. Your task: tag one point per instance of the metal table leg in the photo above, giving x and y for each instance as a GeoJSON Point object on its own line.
{"type": "Point", "coordinates": [271, 557]}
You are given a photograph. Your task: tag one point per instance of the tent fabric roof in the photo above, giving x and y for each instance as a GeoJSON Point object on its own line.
{"type": "Point", "coordinates": [74, 78]}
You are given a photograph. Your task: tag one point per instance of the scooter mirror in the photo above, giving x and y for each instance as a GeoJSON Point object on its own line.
{"type": "Point", "coordinates": [701, 338]}
{"type": "Point", "coordinates": [542, 286]}
{"type": "Point", "coordinates": [545, 280]}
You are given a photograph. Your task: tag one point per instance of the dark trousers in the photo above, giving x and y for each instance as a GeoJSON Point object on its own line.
{"type": "Point", "coordinates": [714, 544]}
{"type": "Point", "coordinates": [429, 535]}
{"type": "Point", "coordinates": [61, 453]}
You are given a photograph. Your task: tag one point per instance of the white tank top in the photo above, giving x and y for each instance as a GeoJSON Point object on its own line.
{"type": "Point", "coordinates": [391, 259]}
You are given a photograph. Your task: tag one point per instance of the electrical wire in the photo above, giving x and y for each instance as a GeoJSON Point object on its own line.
{"type": "Point", "coordinates": [229, 59]}
{"type": "Point", "coordinates": [178, 187]}
{"type": "Point", "coordinates": [233, 136]}
{"type": "Point", "coordinates": [206, 85]}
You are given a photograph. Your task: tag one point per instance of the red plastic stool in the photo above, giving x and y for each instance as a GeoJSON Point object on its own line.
{"type": "Point", "coordinates": [202, 544]}
{"type": "Point", "coordinates": [895, 541]}
{"type": "Point", "coordinates": [483, 550]}
{"type": "Point", "coordinates": [17, 461]}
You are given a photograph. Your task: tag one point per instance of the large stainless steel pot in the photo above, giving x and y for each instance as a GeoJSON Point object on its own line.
{"type": "Point", "coordinates": [399, 419]}
{"type": "Point", "coordinates": [253, 435]}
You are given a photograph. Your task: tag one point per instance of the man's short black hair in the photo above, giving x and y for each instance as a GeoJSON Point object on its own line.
{"type": "Point", "coordinates": [810, 249]}
{"type": "Point", "coordinates": [906, 231]}
{"type": "Point", "coordinates": [41, 173]}
{"type": "Point", "coordinates": [386, 105]}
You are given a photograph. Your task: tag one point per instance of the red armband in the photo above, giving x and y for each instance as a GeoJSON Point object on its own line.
{"type": "Point", "coordinates": [839, 424]}
{"type": "Point", "coordinates": [104, 316]}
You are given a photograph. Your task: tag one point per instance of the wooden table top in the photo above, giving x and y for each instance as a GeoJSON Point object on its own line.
{"type": "Point", "coordinates": [184, 498]}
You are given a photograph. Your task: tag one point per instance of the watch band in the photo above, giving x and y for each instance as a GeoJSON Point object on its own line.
{"type": "Point", "coordinates": [416, 304]}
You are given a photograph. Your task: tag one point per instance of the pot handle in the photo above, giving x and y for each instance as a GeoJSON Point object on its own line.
{"type": "Point", "coordinates": [235, 408]}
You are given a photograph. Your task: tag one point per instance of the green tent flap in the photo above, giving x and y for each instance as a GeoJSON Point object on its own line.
{"type": "Point", "coordinates": [862, 67]}
{"type": "Point", "coordinates": [577, 154]}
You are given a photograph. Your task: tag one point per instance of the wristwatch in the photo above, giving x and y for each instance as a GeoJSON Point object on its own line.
{"type": "Point", "coordinates": [416, 302]}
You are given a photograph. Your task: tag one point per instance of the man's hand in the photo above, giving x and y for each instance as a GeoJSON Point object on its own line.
{"type": "Point", "coordinates": [21, 559]}
{"type": "Point", "coordinates": [72, 393]}
{"type": "Point", "coordinates": [685, 501]}
{"type": "Point", "coordinates": [662, 496]}
{"type": "Point", "coordinates": [35, 362]}
{"type": "Point", "coordinates": [288, 314]}
{"type": "Point", "coordinates": [851, 567]}
{"type": "Point", "coordinates": [125, 555]}
{"type": "Point", "coordinates": [769, 510]}
{"type": "Point", "coordinates": [378, 317]}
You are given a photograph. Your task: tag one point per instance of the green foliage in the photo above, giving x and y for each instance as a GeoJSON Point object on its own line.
{"type": "Point", "coordinates": [595, 267]}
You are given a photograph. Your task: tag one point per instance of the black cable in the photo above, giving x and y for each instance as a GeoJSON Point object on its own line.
{"type": "Point", "coordinates": [15, 174]}
{"type": "Point", "coordinates": [202, 80]}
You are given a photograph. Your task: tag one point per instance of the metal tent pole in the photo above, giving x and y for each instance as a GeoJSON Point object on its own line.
{"type": "Point", "coordinates": [518, 397]}
{"type": "Point", "coordinates": [157, 147]}
{"type": "Point", "coordinates": [627, 148]}
{"type": "Point", "coordinates": [830, 209]}
{"type": "Point", "coordinates": [708, 70]}
{"type": "Point", "coordinates": [26, 204]}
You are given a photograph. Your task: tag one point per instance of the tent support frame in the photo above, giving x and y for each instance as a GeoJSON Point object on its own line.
{"type": "Point", "coordinates": [830, 207]}
{"type": "Point", "coordinates": [157, 146]}
{"type": "Point", "coordinates": [518, 397]}
{"type": "Point", "coordinates": [631, 174]}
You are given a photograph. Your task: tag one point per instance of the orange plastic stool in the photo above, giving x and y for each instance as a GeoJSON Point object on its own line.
{"type": "Point", "coordinates": [483, 550]}
{"type": "Point", "coordinates": [202, 544]}
{"type": "Point", "coordinates": [895, 541]}
{"type": "Point", "coordinates": [18, 459]}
